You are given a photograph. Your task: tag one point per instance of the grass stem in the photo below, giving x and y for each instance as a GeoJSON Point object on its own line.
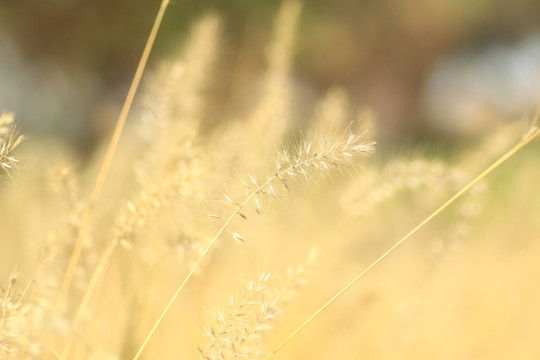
{"type": "Point", "coordinates": [111, 150]}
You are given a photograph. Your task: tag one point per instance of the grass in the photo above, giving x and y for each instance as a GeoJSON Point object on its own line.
{"type": "Point", "coordinates": [191, 241]}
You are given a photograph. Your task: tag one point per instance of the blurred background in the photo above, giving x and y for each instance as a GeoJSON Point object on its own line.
{"type": "Point", "coordinates": [428, 69]}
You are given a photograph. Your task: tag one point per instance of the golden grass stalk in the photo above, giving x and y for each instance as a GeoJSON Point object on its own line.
{"type": "Point", "coordinates": [111, 150]}
{"type": "Point", "coordinates": [105, 167]}
{"type": "Point", "coordinates": [532, 134]}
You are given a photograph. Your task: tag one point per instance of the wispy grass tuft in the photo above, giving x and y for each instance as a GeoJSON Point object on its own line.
{"type": "Point", "coordinates": [9, 140]}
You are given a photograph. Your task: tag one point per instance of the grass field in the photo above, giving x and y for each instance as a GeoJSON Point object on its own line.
{"type": "Point", "coordinates": [217, 238]}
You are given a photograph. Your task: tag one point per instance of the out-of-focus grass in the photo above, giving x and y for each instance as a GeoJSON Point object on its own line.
{"type": "Point", "coordinates": [462, 287]}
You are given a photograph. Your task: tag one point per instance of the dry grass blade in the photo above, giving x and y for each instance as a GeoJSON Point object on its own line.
{"type": "Point", "coordinates": [104, 170]}
{"type": "Point", "coordinates": [533, 133]}
{"type": "Point", "coordinates": [96, 193]}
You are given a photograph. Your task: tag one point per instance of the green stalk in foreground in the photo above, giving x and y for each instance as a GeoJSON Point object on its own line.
{"type": "Point", "coordinates": [533, 133]}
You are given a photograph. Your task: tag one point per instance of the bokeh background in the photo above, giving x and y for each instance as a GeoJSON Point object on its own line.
{"type": "Point", "coordinates": [429, 69]}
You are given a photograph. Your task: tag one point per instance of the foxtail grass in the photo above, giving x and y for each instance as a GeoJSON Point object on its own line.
{"type": "Point", "coordinates": [205, 207]}
{"type": "Point", "coordinates": [531, 134]}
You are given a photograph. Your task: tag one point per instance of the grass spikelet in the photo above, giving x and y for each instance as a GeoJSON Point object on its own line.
{"type": "Point", "coordinates": [374, 187]}
{"type": "Point", "coordinates": [305, 161]}
{"type": "Point", "coordinates": [12, 326]}
{"type": "Point", "coordinates": [9, 140]}
{"type": "Point", "coordinates": [146, 206]}
{"type": "Point", "coordinates": [174, 103]}
{"type": "Point", "coordinates": [18, 334]}
{"type": "Point", "coordinates": [323, 154]}
{"type": "Point", "coordinates": [238, 330]}
{"type": "Point", "coordinates": [235, 330]}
